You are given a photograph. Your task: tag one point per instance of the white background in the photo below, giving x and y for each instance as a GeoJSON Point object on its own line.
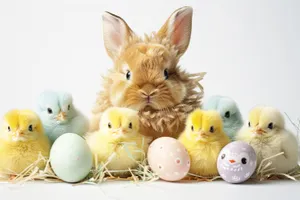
{"type": "Point", "coordinates": [250, 50]}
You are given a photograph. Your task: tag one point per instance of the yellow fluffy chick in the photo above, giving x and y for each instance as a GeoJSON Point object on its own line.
{"type": "Point", "coordinates": [22, 138]}
{"type": "Point", "coordinates": [266, 133]}
{"type": "Point", "coordinates": [118, 142]}
{"type": "Point", "coordinates": [204, 138]}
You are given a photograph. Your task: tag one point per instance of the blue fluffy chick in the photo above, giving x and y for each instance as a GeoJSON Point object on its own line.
{"type": "Point", "coordinates": [228, 109]}
{"type": "Point", "coordinates": [59, 116]}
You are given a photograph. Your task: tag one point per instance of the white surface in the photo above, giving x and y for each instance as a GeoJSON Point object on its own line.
{"type": "Point", "coordinates": [250, 50]}
{"type": "Point", "coordinates": [151, 191]}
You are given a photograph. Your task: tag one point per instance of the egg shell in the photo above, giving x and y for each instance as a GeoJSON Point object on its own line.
{"type": "Point", "coordinates": [236, 162]}
{"type": "Point", "coordinates": [71, 158]}
{"type": "Point", "coordinates": [169, 159]}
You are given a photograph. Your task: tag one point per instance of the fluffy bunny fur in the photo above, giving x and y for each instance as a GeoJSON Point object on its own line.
{"type": "Point", "coordinates": [146, 76]}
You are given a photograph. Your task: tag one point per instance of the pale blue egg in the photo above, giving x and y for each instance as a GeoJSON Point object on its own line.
{"type": "Point", "coordinates": [71, 158]}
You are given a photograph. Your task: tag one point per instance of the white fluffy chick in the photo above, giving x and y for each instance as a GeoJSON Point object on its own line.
{"type": "Point", "coordinates": [266, 133]}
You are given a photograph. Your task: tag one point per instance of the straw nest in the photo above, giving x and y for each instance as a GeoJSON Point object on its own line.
{"type": "Point", "coordinates": [143, 173]}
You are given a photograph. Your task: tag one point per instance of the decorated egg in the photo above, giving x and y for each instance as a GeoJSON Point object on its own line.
{"type": "Point", "coordinates": [71, 158]}
{"type": "Point", "coordinates": [236, 162]}
{"type": "Point", "coordinates": [169, 159]}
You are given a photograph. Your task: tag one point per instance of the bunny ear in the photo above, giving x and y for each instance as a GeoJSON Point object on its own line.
{"type": "Point", "coordinates": [115, 34]}
{"type": "Point", "coordinates": [178, 29]}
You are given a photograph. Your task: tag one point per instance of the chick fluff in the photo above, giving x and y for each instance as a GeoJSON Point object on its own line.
{"type": "Point", "coordinates": [266, 133]}
{"type": "Point", "coordinates": [22, 138]}
{"type": "Point", "coordinates": [204, 138]}
{"type": "Point", "coordinates": [118, 142]}
{"type": "Point", "coordinates": [59, 115]}
{"type": "Point", "coordinates": [229, 111]}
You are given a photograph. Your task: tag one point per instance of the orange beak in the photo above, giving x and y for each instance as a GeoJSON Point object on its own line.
{"type": "Point", "coordinates": [18, 133]}
{"type": "Point", "coordinates": [232, 161]}
{"type": "Point", "coordinates": [119, 131]}
{"type": "Point", "coordinates": [203, 134]}
{"type": "Point", "coordinates": [61, 116]}
{"type": "Point", "coordinates": [259, 131]}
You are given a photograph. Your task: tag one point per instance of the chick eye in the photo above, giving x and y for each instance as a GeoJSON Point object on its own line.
{"type": "Point", "coordinates": [249, 124]}
{"type": "Point", "coordinates": [49, 110]}
{"type": "Point", "coordinates": [30, 128]}
{"type": "Point", "coordinates": [192, 128]}
{"type": "Point", "coordinates": [166, 74]}
{"type": "Point", "coordinates": [8, 128]}
{"type": "Point", "coordinates": [109, 125]}
{"type": "Point", "coordinates": [227, 114]}
{"type": "Point", "coordinates": [244, 160]}
{"type": "Point", "coordinates": [270, 126]}
{"type": "Point", "coordinates": [128, 75]}
{"type": "Point", "coordinates": [69, 107]}
{"type": "Point", "coordinates": [211, 129]}
{"type": "Point", "coordinates": [130, 125]}
{"type": "Point", "coordinates": [223, 156]}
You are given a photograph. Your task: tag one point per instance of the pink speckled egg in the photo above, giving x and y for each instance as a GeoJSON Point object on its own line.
{"type": "Point", "coordinates": [169, 159]}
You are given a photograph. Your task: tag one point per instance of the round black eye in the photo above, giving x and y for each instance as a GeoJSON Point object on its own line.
{"type": "Point", "coordinates": [128, 75]}
{"type": "Point", "coordinates": [69, 107]}
{"type": "Point", "coordinates": [192, 128]}
{"type": "Point", "coordinates": [244, 161]}
{"type": "Point", "coordinates": [166, 74]}
{"type": "Point", "coordinates": [223, 156]}
{"type": "Point", "coordinates": [49, 110]}
{"type": "Point", "coordinates": [270, 126]}
{"type": "Point", "coordinates": [30, 128]}
{"type": "Point", "coordinates": [109, 125]}
{"type": "Point", "coordinates": [249, 124]}
{"type": "Point", "coordinates": [227, 114]}
{"type": "Point", "coordinates": [211, 129]}
{"type": "Point", "coordinates": [8, 128]}
{"type": "Point", "coordinates": [130, 125]}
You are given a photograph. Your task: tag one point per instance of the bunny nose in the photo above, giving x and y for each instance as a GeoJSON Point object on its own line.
{"type": "Point", "coordinates": [148, 93]}
{"type": "Point", "coordinates": [232, 161]}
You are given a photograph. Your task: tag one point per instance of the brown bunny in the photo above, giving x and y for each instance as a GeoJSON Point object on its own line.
{"type": "Point", "coordinates": [146, 77]}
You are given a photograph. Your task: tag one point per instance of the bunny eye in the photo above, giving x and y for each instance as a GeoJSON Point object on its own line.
{"type": "Point", "coordinates": [166, 74]}
{"type": "Point", "coordinates": [128, 75]}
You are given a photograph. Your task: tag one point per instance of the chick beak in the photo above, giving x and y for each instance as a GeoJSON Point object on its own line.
{"type": "Point", "coordinates": [232, 161]}
{"type": "Point", "coordinates": [61, 116]}
{"type": "Point", "coordinates": [117, 131]}
{"type": "Point", "coordinates": [122, 131]}
{"type": "Point", "coordinates": [19, 133]}
{"type": "Point", "coordinates": [203, 134]}
{"type": "Point", "coordinates": [259, 131]}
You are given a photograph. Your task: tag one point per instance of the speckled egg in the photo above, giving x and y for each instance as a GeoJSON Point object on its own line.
{"type": "Point", "coordinates": [236, 162]}
{"type": "Point", "coordinates": [169, 159]}
{"type": "Point", "coordinates": [71, 158]}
